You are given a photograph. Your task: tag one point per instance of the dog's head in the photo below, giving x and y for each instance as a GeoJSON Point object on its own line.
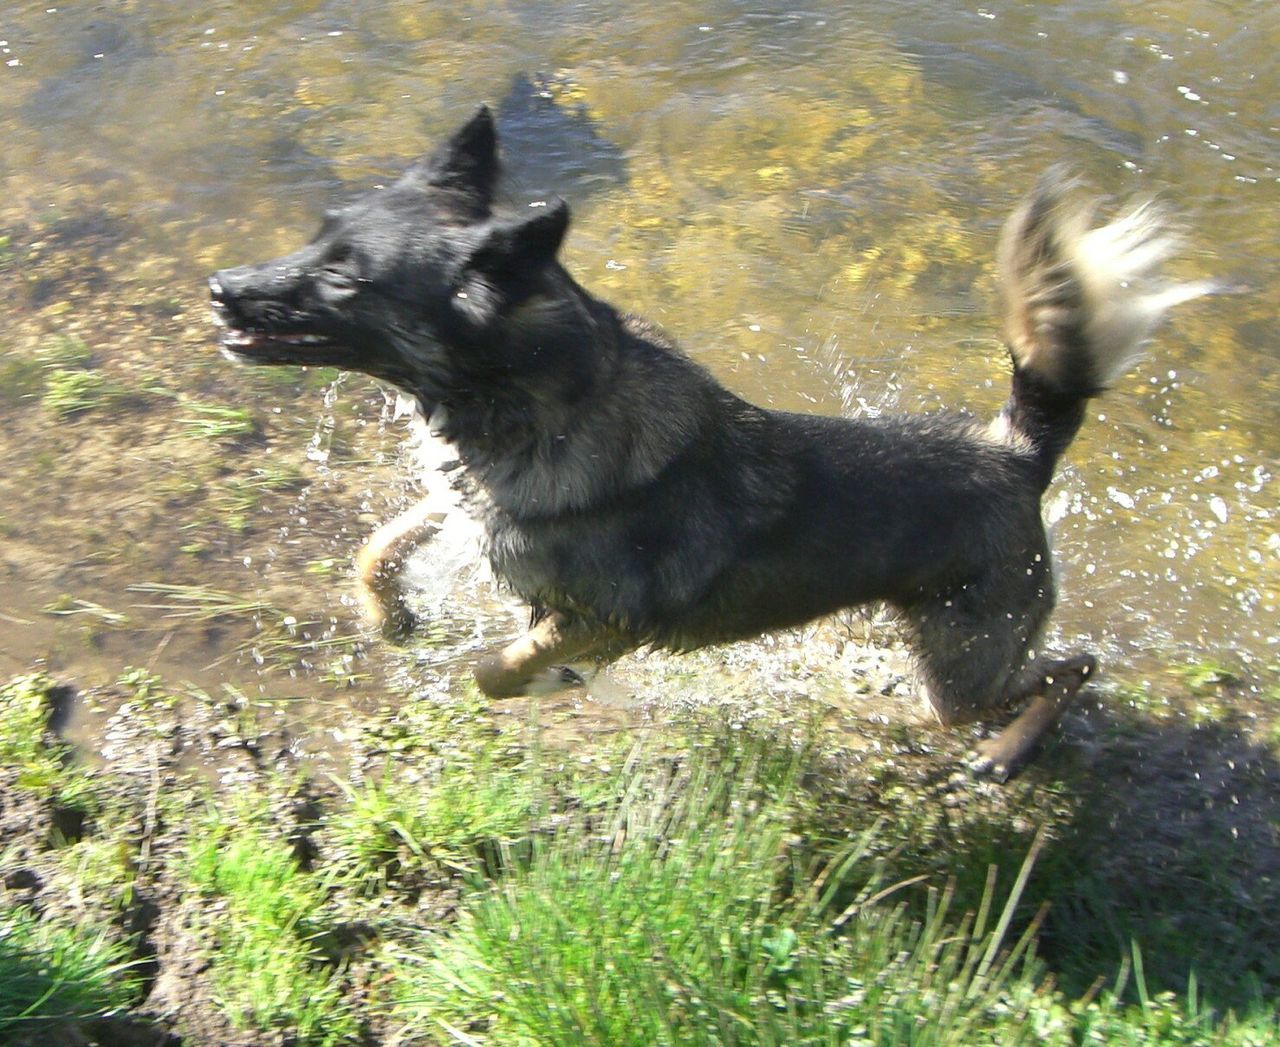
{"type": "Point", "coordinates": [406, 283]}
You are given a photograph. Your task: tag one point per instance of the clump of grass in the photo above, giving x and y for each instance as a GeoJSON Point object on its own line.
{"type": "Point", "coordinates": [1163, 1018]}
{"type": "Point", "coordinates": [267, 970]}
{"type": "Point", "coordinates": [26, 746]}
{"type": "Point", "coordinates": [21, 377]}
{"type": "Point", "coordinates": [238, 497]}
{"type": "Point", "coordinates": [204, 604]}
{"type": "Point", "coordinates": [74, 392]}
{"type": "Point", "coordinates": [51, 975]}
{"type": "Point", "coordinates": [66, 606]}
{"type": "Point", "coordinates": [215, 422]}
{"type": "Point", "coordinates": [461, 818]}
{"type": "Point", "coordinates": [1208, 676]}
{"type": "Point", "coordinates": [62, 373]}
{"type": "Point", "coordinates": [690, 915]}
{"type": "Point", "coordinates": [65, 352]}
{"type": "Point", "coordinates": [281, 638]}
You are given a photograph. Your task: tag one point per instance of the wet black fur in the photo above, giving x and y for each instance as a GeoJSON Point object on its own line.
{"type": "Point", "coordinates": [620, 483]}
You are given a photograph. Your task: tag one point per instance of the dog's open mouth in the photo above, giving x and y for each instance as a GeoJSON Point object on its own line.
{"type": "Point", "coordinates": [267, 346]}
{"type": "Point", "coordinates": [265, 340]}
{"type": "Point", "coordinates": [260, 345]}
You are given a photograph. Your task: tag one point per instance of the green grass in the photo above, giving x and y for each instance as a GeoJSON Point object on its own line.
{"type": "Point", "coordinates": [267, 970]}
{"type": "Point", "coordinates": [456, 797]}
{"type": "Point", "coordinates": [21, 377]}
{"type": "Point", "coordinates": [27, 747]}
{"type": "Point", "coordinates": [237, 498]}
{"type": "Point", "coordinates": [455, 821]}
{"type": "Point", "coordinates": [215, 422]}
{"type": "Point", "coordinates": [202, 603]}
{"type": "Point", "coordinates": [1208, 676]}
{"type": "Point", "coordinates": [70, 383]}
{"type": "Point", "coordinates": [66, 352]}
{"type": "Point", "coordinates": [280, 639]}
{"type": "Point", "coordinates": [691, 913]}
{"type": "Point", "coordinates": [61, 375]}
{"type": "Point", "coordinates": [52, 974]}
{"type": "Point", "coordinates": [66, 606]}
{"type": "Point", "coordinates": [1189, 914]}
{"type": "Point", "coordinates": [707, 887]}
{"type": "Point", "coordinates": [74, 392]}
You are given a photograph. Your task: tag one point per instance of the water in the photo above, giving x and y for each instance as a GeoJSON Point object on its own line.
{"type": "Point", "coordinates": [807, 199]}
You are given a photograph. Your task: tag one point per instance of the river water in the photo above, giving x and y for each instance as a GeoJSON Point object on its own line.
{"type": "Point", "coordinates": [806, 198]}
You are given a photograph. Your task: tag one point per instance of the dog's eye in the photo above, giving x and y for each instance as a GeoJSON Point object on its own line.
{"type": "Point", "coordinates": [341, 267]}
{"type": "Point", "coordinates": [340, 258]}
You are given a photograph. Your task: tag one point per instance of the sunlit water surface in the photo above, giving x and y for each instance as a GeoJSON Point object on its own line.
{"type": "Point", "coordinates": [807, 199]}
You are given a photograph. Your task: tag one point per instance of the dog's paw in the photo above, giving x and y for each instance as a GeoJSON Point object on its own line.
{"type": "Point", "coordinates": [555, 679]}
{"type": "Point", "coordinates": [1003, 756]}
{"type": "Point", "coordinates": [989, 759]}
{"type": "Point", "coordinates": [394, 624]}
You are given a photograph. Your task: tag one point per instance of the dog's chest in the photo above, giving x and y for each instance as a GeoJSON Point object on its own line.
{"type": "Point", "coordinates": [499, 536]}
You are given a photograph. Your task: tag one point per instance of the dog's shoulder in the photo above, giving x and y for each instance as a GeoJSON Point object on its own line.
{"type": "Point", "coordinates": [646, 331]}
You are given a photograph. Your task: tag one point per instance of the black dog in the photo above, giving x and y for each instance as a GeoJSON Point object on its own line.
{"type": "Point", "coordinates": [632, 500]}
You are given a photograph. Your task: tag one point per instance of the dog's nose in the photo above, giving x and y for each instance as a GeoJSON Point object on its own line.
{"type": "Point", "coordinates": [216, 290]}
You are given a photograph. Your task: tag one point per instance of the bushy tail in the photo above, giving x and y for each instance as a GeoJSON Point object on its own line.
{"type": "Point", "coordinates": [1077, 304]}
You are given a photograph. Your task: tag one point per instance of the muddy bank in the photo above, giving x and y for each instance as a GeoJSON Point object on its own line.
{"type": "Point", "coordinates": [1160, 830]}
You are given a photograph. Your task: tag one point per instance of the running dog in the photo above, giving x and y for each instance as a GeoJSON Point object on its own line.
{"type": "Point", "coordinates": [632, 500]}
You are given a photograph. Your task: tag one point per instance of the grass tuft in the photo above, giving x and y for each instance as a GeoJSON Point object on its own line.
{"type": "Point", "coordinates": [74, 392]}
{"type": "Point", "coordinates": [689, 912]}
{"type": "Point", "coordinates": [690, 915]}
{"type": "Point", "coordinates": [28, 748]}
{"type": "Point", "coordinates": [464, 818]}
{"type": "Point", "coordinates": [51, 975]}
{"type": "Point", "coordinates": [267, 970]}
{"type": "Point", "coordinates": [216, 422]}
{"type": "Point", "coordinates": [71, 384]}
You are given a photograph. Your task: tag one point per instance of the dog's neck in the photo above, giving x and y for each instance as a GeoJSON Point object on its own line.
{"type": "Point", "coordinates": [544, 440]}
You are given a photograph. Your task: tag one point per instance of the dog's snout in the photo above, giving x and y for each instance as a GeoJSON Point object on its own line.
{"type": "Point", "coordinates": [226, 296]}
{"type": "Point", "coordinates": [226, 285]}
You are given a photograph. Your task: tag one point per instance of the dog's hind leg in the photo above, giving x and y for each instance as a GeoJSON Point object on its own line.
{"type": "Point", "coordinates": [381, 560]}
{"type": "Point", "coordinates": [975, 667]}
{"type": "Point", "coordinates": [536, 660]}
{"type": "Point", "coordinates": [1052, 687]}
{"type": "Point", "coordinates": [975, 649]}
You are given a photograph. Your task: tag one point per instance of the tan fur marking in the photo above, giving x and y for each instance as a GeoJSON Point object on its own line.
{"type": "Point", "coordinates": [553, 641]}
{"type": "Point", "coordinates": [380, 562]}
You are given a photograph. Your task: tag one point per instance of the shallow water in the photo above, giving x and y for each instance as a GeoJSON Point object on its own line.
{"type": "Point", "coordinates": [807, 199]}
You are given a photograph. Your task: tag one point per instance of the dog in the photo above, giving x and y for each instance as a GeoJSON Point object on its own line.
{"type": "Point", "coordinates": [631, 500]}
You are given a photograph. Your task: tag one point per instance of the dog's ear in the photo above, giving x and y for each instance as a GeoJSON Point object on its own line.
{"type": "Point", "coordinates": [523, 244]}
{"type": "Point", "coordinates": [504, 265]}
{"type": "Point", "coordinates": [466, 164]}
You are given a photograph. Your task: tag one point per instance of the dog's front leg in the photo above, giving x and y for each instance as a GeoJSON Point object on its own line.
{"type": "Point", "coordinates": [380, 562]}
{"type": "Point", "coordinates": [540, 653]}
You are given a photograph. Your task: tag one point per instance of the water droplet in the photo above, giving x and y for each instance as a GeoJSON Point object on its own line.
{"type": "Point", "coordinates": [1121, 498]}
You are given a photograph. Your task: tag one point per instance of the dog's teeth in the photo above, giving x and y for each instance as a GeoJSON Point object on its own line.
{"type": "Point", "coordinates": [238, 337]}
